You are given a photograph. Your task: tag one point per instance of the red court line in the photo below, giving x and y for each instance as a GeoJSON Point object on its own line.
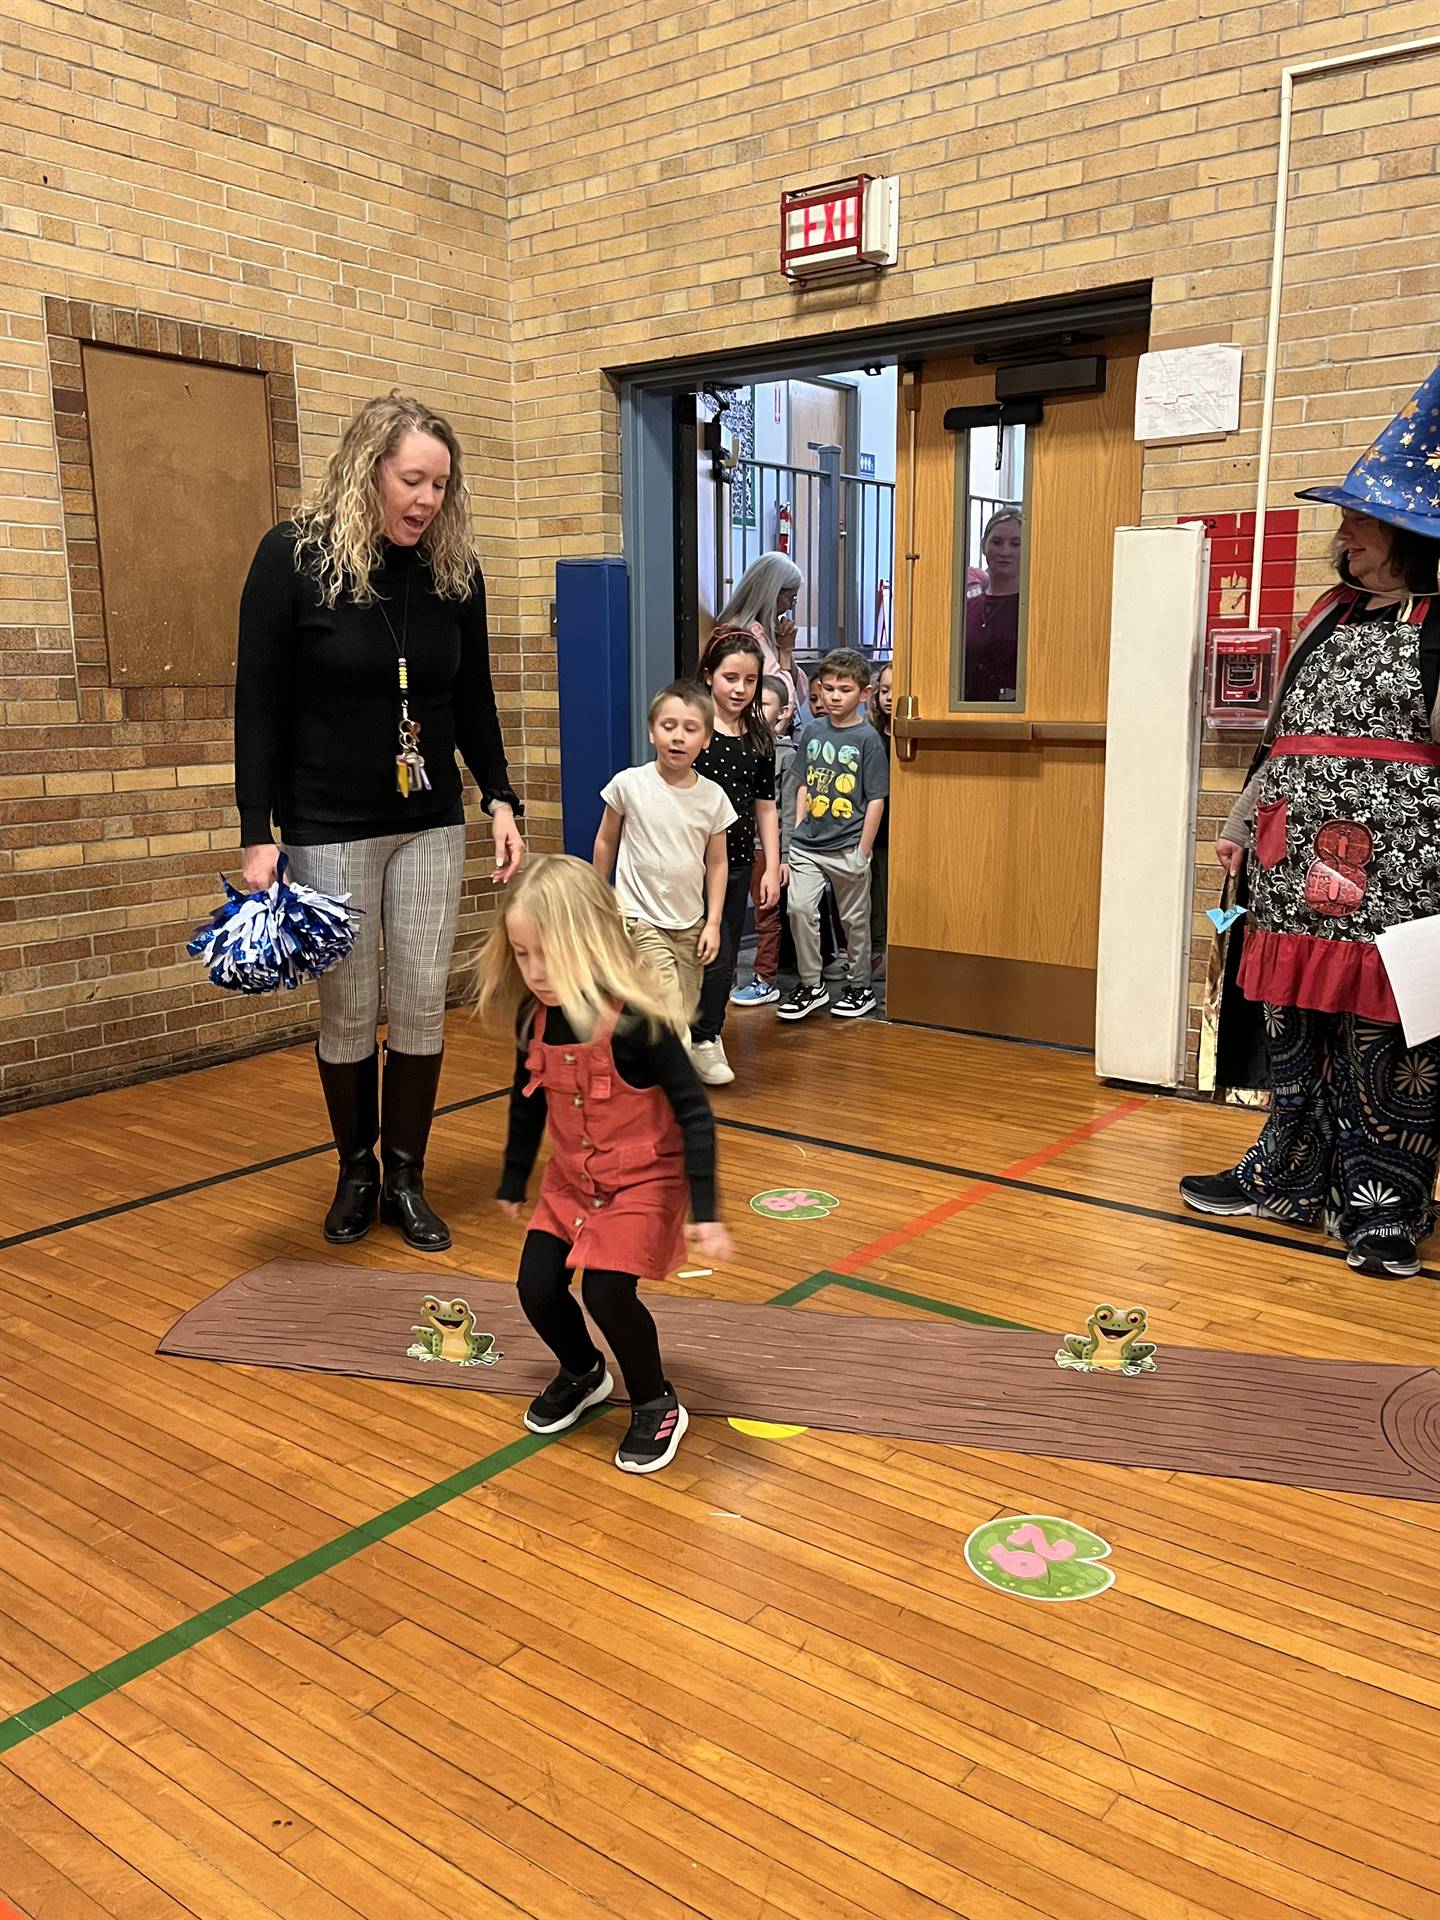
{"type": "Point", "coordinates": [7, 1912]}
{"type": "Point", "coordinates": [947, 1209]}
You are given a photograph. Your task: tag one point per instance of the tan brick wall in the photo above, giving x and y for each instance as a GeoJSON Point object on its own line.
{"type": "Point", "coordinates": [1043, 148]}
{"type": "Point", "coordinates": [411, 197]}
{"type": "Point", "coordinates": [330, 179]}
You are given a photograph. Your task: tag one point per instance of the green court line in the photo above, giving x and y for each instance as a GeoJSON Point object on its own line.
{"type": "Point", "coordinates": [237, 1606]}
{"type": "Point", "coordinates": [947, 1308]}
{"type": "Point", "coordinates": [117, 1673]}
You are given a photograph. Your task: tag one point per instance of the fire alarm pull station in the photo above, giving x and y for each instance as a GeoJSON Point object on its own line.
{"type": "Point", "coordinates": [1240, 683]}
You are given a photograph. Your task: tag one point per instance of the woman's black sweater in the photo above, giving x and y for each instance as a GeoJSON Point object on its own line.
{"type": "Point", "coordinates": [317, 701]}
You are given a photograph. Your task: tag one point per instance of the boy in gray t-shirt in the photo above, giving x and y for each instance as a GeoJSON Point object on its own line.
{"type": "Point", "coordinates": [844, 772]}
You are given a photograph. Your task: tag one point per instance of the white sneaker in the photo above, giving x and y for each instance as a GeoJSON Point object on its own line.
{"type": "Point", "coordinates": [710, 1063]}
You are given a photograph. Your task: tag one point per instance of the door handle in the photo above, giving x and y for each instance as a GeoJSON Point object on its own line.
{"type": "Point", "coordinates": [967, 730]}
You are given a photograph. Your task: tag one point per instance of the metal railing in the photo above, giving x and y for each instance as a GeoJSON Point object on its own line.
{"type": "Point", "coordinates": [839, 528]}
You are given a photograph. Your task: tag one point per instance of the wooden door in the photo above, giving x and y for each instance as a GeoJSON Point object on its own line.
{"type": "Point", "coordinates": [819, 416]}
{"type": "Point", "coordinates": [997, 809]}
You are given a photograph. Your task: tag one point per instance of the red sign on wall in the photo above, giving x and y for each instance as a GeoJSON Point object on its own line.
{"type": "Point", "coordinates": [1232, 547]}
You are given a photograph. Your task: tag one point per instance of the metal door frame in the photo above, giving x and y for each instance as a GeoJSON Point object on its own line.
{"type": "Point", "coordinates": [647, 435]}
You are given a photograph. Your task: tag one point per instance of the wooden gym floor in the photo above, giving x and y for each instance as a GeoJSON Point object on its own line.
{"type": "Point", "coordinates": [761, 1685]}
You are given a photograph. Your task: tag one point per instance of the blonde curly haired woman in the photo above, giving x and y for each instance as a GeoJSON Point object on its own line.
{"type": "Point", "coordinates": [364, 665]}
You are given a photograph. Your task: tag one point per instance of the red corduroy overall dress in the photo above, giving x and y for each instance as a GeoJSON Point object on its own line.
{"type": "Point", "coordinates": [614, 1186]}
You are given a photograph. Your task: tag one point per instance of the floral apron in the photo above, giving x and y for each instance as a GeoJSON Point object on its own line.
{"type": "Point", "coordinates": [1347, 826]}
{"type": "Point", "coordinates": [1347, 843]}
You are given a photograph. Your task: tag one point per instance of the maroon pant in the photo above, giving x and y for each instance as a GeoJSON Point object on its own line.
{"type": "Point", "coordinates": [767, 924]}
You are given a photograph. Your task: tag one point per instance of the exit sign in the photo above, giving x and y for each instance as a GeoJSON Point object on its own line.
{"type": "Point", "coordinates": [842, 227]}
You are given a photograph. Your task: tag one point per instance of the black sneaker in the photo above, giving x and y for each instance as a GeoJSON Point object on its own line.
{"type": "Point", "coordinates": [853, 1004]}
{"type": "Point", "coordinates": [802, 1002]}
{"type": "Point", "coordinates": [1217, 1193]}
{"type": "Point", "coordinates": [656, 1429]}
{"type": "Point", "coordinates": [1390, 1255]}
{"type": "Point", "coordinates": [567, 1397]}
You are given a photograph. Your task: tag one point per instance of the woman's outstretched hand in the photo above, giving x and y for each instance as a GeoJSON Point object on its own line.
{"type": "Point", "coordinates": [509, 847]}
{"type": "Point", "coordinates": [260, 862]}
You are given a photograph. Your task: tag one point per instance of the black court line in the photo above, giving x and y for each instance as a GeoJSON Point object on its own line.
{"type": "Point", "coordinates": [1203, 1223]}
{"type": "Point", "coordinates": [1198, 1222]}
{"type": "Point", "coordinates": [210, 1180]}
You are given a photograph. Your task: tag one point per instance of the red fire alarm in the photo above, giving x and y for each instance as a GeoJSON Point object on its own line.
{"type": "Point", "coordinates": [843, 227]}
{"type": "Point", "coordinates": [1241, 682]}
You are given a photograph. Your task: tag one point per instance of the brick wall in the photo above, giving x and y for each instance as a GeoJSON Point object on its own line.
{"type": "Point", "coordinates": [1042, 148]}
{"type": "Point", "coordinates": [328, 183]}
{"type": "Point", "coordinates": [412, 197]}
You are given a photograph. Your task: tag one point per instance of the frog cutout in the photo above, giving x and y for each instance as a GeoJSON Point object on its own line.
{"type": "Point", "coordinates": [449, 1334]}
{"type": "Point", "coordinates": [1113, 1343]}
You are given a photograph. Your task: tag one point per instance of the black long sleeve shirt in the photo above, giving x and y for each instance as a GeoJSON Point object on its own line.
{"type": "Point", "coordinates": [641, 1061]}
{"type": "Point", "coordinates": [317, 701]}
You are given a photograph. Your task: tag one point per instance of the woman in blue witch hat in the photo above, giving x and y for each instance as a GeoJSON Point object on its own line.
{"type": "Point", "coordinates": [1338, 835]}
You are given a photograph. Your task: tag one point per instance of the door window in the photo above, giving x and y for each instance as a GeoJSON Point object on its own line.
{"type": "Point", "coordinates": [991, 556]}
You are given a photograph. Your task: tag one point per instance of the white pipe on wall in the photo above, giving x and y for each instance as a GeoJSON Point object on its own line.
{"type": "Point", "coordinates": [1360, 57]}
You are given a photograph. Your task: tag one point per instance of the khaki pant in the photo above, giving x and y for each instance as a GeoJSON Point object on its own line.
{"type": "Point", "coordinates": [849, 874]}
{"type": "Point", "coordinates": [671, 951]}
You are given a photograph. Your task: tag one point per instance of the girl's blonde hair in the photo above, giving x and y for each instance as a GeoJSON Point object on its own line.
{"type": "Point", "coordinates": [341, 527]}
{"type": "Point", "coordinates": [590, 959]}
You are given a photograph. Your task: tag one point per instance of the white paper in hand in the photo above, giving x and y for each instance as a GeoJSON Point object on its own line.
{"type": "Point", "coordinates": [1411, 953]}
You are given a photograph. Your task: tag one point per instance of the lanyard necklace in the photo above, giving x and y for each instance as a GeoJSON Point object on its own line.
{"type": "Point", "coordinates": [410, 774]}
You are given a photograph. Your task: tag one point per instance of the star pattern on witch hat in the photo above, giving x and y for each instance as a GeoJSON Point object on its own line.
{"type": "Point", "coordinates": [1393, 479]}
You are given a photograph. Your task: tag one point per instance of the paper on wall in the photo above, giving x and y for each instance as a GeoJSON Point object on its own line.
{"type": "Point", "coordinates": [1184, 391]}
{"type": "Point", "coordinates": [1411, 953]}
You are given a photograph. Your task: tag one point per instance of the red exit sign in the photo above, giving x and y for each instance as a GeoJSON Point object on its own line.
{"type": "Point", "coordinates": [843, 226]}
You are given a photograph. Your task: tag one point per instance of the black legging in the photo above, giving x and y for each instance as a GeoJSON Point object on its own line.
{"type": "Point", "coordinates": [553, 1311]}
{"type": "Point", "coordinates": [720, 973]}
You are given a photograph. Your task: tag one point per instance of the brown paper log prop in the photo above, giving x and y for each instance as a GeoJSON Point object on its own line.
{"type": "Point", "coordinates": [1336, 1424]}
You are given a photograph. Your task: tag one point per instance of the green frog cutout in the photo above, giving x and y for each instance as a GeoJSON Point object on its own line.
{"type": "Point", "coordinates": [449, 1334]}
{"type": "Point", "coordinates": [1113, 1343]}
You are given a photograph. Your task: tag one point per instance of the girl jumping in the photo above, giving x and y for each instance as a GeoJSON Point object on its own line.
{"type": "Point", "coordinates": [601, 1066]}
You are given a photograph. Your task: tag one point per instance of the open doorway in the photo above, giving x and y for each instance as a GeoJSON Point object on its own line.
{"type": "Point", "coordinates": [802, 463]}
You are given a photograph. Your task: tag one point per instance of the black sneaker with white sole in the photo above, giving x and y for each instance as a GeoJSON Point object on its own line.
{"type": "Point", "coordinates": [1217, 1193]}
{"type": "Point", "coordinates": [853, 1004]}
{"type": "Point", "coordinates": [1390, 1255]}
{"type": "Point", "coordinates": [656, 1429]}
{"type": "Point", "coordinates": [567, 1397]}
{"type": "Point", "coordinates": [801, 1002]}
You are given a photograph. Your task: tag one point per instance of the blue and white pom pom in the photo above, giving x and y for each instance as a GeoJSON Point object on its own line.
{"type": "Point", "coordinates": [260, 942]}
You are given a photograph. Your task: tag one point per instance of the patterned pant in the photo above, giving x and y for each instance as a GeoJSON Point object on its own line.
{"type": "Point", "coordinates": [1354, 1128]}
{"type": "Point", "coordinates": [408, 885]}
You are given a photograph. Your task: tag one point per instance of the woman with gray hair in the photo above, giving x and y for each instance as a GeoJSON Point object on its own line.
{"type": "Point", "coordinates": [763, 604]}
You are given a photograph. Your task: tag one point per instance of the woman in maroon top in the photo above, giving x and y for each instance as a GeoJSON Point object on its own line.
{"type": "Point", "coordinates": [992, 615]}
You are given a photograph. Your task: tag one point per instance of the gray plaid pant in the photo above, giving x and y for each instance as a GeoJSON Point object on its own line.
{"type": "Point", "coordinates": [408, 885]}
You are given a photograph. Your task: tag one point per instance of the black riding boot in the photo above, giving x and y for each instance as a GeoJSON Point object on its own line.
{"type": "Point", "coordinates": [352, 1095]}
{"type": "Point", "coordinates": [408, 1096]}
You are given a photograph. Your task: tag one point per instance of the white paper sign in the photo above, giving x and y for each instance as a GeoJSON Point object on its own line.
{"type": "Point", "coordinates": [1187, 391]}
{"type": "Point", "coordinates": [1412, 960]}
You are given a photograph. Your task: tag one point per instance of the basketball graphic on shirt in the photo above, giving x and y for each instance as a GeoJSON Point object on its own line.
{"type": "Point", "coordinates": [844, 783]}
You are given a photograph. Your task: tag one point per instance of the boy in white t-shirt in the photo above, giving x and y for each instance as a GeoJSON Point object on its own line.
{"type": "Point", "coordinates": [667, 824]}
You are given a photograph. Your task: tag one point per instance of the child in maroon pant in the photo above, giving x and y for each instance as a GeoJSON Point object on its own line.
{"type": "Point", "coordinates": [602, 1068]}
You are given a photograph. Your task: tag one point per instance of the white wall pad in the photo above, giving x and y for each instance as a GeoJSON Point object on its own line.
{"type": "Point", "coordinates": [1152, 758]}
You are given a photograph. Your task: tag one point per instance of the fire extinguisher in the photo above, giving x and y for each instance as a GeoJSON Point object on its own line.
{"type": "Point", "coordinates": [782, 528]}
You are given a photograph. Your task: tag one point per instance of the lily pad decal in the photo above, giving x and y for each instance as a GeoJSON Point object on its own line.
{"type": "Point", "coordinates": [794, 1203]}
{"type": "Point", "coordinates": [1039, 1557]}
